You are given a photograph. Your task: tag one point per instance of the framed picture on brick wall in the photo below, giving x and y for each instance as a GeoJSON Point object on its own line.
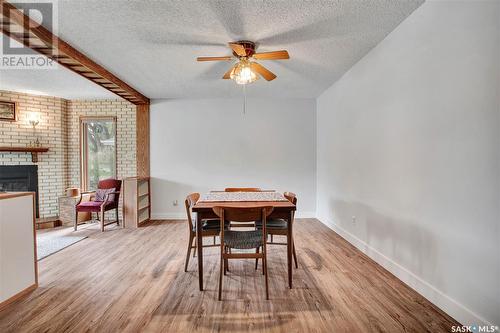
{"type": "Point", "coordinates": [7, 111]}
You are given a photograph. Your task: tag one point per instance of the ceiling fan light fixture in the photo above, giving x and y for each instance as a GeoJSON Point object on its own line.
{"type": "Point", "coordinates": [242, 73]}
{"type": "Point", "coordinates": [246, 71]}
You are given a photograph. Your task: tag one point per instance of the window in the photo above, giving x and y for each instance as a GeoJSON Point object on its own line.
{"type": "Point", "coordinates": [98, 150]}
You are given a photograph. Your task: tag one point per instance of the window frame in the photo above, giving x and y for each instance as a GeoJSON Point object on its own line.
{"type": "Point", "coordinates": [84, 150]}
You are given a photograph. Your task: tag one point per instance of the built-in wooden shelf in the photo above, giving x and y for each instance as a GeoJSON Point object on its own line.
{"type": "Point", "coordinates": [143, 207]}
{"type": "Point", "coordinates": [33, 150]}
{"type": "Point", "coordinates": [136, 201]}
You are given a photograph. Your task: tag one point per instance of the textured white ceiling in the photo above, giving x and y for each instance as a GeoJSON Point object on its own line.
{"type": "Point", "coordinates": [153, 45]}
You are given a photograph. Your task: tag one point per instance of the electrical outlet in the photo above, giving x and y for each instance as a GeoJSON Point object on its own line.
{"type": "Point", "coordinates": [175, 203]}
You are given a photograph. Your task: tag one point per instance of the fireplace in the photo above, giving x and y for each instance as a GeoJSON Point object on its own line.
{"type": "Point", "coordinates": [20, 178]}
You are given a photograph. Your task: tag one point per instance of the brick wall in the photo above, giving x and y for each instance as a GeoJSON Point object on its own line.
{"type": "Point", "coordinates": [51, 133]}
{"type": "Point", "coordinates": [125, 136]}
{"type": "Point", "coordinates": [59, 168]}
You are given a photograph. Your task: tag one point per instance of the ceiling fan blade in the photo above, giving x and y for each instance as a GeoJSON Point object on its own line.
{"type": "Point", "coordinates": [228, 73]}
{"type": "Point", "coordinates": [238, 49]}
{"type": "Point", "coordinates": [268, 75]}
{"type": "Point", "coordinates": [214, 58]}
{"type": "Point", "coordinates": [274, 55]}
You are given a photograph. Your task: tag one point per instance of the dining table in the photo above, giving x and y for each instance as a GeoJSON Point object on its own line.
{"type": "Point", "coordinates": [282, 209]}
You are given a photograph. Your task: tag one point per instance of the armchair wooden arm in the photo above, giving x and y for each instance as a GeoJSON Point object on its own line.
{"type": "Point", "coordinates": [92, 193]}
{"type": "Point", "coordinates": [108, 194]}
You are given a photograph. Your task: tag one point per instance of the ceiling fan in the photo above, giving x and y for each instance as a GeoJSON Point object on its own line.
{"type": "Point", "coordinates": [246, 70]}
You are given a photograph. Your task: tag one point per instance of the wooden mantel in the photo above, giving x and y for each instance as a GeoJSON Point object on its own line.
{"type": "Point", "coordinates": [33, 150]}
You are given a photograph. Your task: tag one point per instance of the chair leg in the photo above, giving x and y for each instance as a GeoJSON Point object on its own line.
{"type": "Point", "coordinates": [294, 255]}
{"type": "Point", "coordinates": [264, 264]}
{"type": "Point", "coordinates": [76, 220]}
{"type": "Point", "coordinates": [194, 247]}
{"type": "Point", "coordinates": [257, 259]}
{"type": "Point", "coordinates": [225, 264]}
{"type": "Point", "coordinates": [263, 272]}
{"type": "Point", "coordinates": [190, 244]}
{"type": "Point", "coordinates": [102, 220]}
{"type": "Point", "coordinates": [220, 275]}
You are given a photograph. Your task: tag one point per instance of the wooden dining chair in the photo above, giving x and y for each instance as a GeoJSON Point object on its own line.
{"type": "Point", "coordinates": [242, 240]}
{"type": "Point", "coordinates": [242, 189]}
{"type": "Point", "coordinates": [279, 227]}
{"type": "Point", "coordinates": [210, 228]}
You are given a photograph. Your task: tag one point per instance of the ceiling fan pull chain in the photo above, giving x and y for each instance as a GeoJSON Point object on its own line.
{"type": "Point", "coordinates": [244, 99]}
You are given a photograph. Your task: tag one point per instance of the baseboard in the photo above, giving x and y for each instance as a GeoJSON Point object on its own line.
{"type": "Point", "coordinates": [18, 296]}
{"type": "Point", "coordinates": [168, 216]}
{"type": "Point", "coordinates": [434, 295]}
{"type": "Point", "coordinates": [182, 216]}
{"type": "Point", "coordinates": [305, 215]}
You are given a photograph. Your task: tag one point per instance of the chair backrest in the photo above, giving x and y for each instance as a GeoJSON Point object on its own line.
{"type": "Point", "coordinates": [242, 189]}
{"type": "Point", "coordinates": [189, 203]}
{"type": "Point", "coordinates": [291, 197]}
{"type": "Point", "coordinates": [242, 214]}
{"type": "Point", "coordinates": [111, 183]}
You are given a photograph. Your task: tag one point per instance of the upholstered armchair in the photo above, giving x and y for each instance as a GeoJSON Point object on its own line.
{"type": "Point", "coordinates": [105, 198]}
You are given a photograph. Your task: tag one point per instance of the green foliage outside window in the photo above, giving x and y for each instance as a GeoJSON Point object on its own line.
{"type": "Point", "coordinates": [100, 151]}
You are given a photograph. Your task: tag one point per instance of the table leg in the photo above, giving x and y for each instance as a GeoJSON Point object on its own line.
{"type": "Point", "coordinates": [289, 248]}
{"type": "Point", "coordinates": [199, 248]}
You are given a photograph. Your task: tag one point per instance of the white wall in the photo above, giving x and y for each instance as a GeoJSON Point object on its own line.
{"type": "Point", "coordinates": [17, 246]}
{"type": "Point", "coordinates": [408, 143]}
{"type": "Point", "coordinates": [206, 144]}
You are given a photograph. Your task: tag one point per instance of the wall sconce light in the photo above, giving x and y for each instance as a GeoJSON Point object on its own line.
{"type": "Point", "coordinates": [34, 120]}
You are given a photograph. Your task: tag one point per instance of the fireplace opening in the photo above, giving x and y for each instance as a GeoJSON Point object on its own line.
{"type": "Point", "coordinates": [20, 178]}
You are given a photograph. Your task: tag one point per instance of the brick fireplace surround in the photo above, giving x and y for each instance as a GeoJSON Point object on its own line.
{"type": "Point", "coordinates": [59, 168]}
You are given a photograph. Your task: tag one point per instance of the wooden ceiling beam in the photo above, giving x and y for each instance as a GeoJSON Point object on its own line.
{"type": "Point", "coordinates": [90, 76]}
{"type": "Point", "coordinates": [109, 85]}
{"type": "Point", "coordinates": [55, 48]}
{"type": "Point", "coordinates": [100, 81]}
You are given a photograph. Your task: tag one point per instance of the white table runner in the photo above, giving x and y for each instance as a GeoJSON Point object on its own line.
{"type": "Point", "coordinates": [242, 196]}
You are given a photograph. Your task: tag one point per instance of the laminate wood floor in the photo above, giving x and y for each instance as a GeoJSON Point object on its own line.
{"type": "Point", "coordinates": [133, 280]}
